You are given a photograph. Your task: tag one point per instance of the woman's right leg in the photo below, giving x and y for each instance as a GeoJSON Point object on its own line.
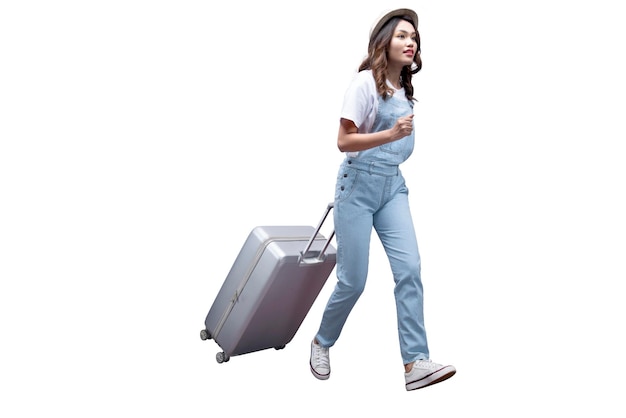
{"type": "Point", "coordinates": [357, 196]}
{"type": "Point", "coordinates": [355, 200]}
{"type": "Point", "coordinates": [353, 229]}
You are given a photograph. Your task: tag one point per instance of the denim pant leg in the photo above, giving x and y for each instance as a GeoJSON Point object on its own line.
{"type": "Point", "coordinates": [394, 226]}
{"type": "Point", "coordinates": [353, 217]}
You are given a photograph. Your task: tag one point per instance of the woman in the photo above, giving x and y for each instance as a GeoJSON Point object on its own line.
{"type": "Point", "coordinates": [376, 133]}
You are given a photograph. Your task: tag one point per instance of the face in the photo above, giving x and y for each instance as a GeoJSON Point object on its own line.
{"type": "Point", "coordinates": [403, 45]}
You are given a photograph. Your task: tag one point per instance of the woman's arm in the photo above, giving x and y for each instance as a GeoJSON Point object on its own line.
{"type": "Point", "coordinates": [349, 139]}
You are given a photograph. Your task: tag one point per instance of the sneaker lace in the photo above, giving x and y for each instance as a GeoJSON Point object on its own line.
{"type": "Point", "coordinates": [427, 364]}
{"type": "Point", "coordinates": [320, 356]}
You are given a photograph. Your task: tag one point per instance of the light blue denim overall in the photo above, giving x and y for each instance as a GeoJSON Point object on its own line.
{"type": "Point", "coordinates": [371, 192]}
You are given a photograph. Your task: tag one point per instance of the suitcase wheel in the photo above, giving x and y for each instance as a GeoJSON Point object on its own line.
{"type": "Point", "coordinates": [204, 335]}
{"type": "Point", "coordinates": [222, 357]}
{"type": "Point", "coordinates": [280, 347]}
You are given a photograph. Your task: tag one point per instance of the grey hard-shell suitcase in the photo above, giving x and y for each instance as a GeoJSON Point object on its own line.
{"type": "Point", "coordinates": [270, 288]}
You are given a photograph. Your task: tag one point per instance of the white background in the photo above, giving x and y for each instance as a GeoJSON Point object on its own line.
{"type": "Point", "coordinates": [142, 140]}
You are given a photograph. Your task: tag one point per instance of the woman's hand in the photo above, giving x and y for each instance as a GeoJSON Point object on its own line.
{"type": "Point", "coordinates": [402, 128]}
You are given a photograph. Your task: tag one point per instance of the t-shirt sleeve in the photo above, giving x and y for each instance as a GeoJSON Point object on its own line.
{"type": "Point", "coordinates": [360, 101]}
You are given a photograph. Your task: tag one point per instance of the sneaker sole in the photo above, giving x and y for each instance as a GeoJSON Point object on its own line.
{"type": "Point", "coordinates": [319, 376]}
{"type": "Point", "coordinates": [435, 377]}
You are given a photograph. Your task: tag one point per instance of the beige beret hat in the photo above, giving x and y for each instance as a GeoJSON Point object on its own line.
{"type": "Point", "coordinates": [385, 17]}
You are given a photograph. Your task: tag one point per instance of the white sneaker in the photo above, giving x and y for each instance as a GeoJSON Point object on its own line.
{"type": "Point", "coordinates": [320, 362]}
{"type": "Point", "coordinates": [425, 373]}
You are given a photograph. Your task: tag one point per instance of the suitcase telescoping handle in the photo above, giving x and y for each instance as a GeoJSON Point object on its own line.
{"type": "Point", "coordinates": [319, 257]}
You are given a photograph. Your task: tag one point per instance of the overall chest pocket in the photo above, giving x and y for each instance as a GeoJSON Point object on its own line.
{"type": "Point", "coordinates": [389, 111]}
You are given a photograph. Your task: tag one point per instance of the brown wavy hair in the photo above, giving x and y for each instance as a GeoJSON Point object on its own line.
{"type": "Point", "coordinates": [376, 59]}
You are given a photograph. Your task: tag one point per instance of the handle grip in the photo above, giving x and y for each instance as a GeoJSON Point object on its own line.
{"type": "Point", "coordinates": [320, 257]}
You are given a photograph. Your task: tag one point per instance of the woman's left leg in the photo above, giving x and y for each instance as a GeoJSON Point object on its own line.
{"type": "Point", "coordinates": [394, 226]}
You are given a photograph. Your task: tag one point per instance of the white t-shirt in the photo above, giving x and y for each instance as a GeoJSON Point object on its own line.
{"type": "Point", "coordinates": [360, 102]}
